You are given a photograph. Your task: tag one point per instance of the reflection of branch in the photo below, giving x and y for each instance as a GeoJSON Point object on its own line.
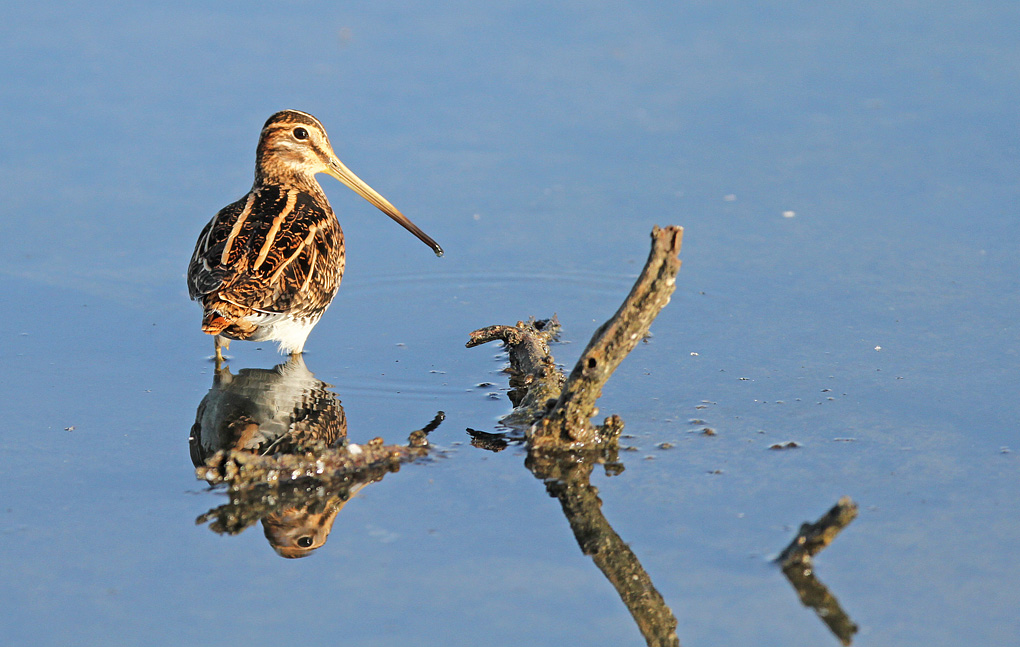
{"type": "Point", "coordinates": [799, 570]}
{"type": "Point", "coordinates": [569, 481]}
{"type": "Point", "coordinates": [563, 445]}
{"type": "Point", "coordinates": [815, 595]}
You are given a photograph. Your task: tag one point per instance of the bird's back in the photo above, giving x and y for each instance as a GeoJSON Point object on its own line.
{"type": "Point", "coordinates": [278, 250]}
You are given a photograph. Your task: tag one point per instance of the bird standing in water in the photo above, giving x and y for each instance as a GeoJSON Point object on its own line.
{"type": "Point", "coordinates": [266, 267]}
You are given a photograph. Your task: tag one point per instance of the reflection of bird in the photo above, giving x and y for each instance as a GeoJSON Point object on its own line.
{"type": "Point", "coordinates": [298, 531]}
{"type": "Point", "coordinates": [267, 411]}
{"type": "Point", "coordinates": [266, 267]}
{"type": "Point", "coordinates": [276, 411]}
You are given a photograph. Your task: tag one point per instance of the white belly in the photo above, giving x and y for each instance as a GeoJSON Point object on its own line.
{"type": "Point", "coordinates": [291, 333]}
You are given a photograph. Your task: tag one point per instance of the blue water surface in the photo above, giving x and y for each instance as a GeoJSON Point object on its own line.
{"type": "Point", "coordinates": [847, 180]}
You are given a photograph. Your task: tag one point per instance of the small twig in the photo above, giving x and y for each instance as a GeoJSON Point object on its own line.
{"type": "Point", "coordinates": [813, 537]}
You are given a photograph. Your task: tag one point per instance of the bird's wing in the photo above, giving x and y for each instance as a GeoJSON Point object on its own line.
{"type": "Point", "coordinates": [205, 271]}
{"type": "Point", "coordinates": [276, 250]}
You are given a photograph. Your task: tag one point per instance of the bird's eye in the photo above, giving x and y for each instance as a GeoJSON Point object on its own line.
{"type": "Point", "coordinates": [305, 542]}
{"type": "Point", "coordinates": [300, 133]}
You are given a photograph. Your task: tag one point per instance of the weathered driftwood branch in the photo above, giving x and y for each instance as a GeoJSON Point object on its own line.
{"type": "Point", "coordinates": [799, 570]}
{"type": "Point", "coordinates": [569, 421]}
{"type": "Point", "coordinates": [534, 377]}
{"type": "Point", "coordinates": [241, 470]}
{"type": "Point", "coordinates": [566, 423]}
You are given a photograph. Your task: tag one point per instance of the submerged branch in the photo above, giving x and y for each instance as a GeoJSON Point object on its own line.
{"type": "Point", "coordinates": [277, 438]}
{"type": "Point", "coordinates": [813, 537]}
{"type": "Point", "coordinates": [275, 426]}
{"type": "Point", "coordinates": [242, 470]}
{"type": "Point", "coordinates": [259, 500]}
{"type": "Point", "coordinates": [534, 377]}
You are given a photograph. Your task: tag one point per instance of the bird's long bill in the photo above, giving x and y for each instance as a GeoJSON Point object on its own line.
{"type": "Point", "coordinates": [342, 173]}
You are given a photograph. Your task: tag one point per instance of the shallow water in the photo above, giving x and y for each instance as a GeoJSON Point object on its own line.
{"type": "Point", "coordinates": [847, 181]}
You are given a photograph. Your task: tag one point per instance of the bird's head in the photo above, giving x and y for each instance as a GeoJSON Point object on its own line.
{"type": "Point", "coordinates": [294, 147]}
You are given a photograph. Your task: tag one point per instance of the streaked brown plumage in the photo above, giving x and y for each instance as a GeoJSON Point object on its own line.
{"type": "Point", "coordinates": [266, 267]}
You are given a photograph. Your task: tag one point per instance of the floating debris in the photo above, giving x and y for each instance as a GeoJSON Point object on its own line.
{"type": "Point", "coordinates": [790, 444]}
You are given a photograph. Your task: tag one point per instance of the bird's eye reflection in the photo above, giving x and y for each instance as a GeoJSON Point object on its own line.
{"type": "Point", "coordinates": [300, 133]}
{"type": "Point", "coordinates": [304, 542]}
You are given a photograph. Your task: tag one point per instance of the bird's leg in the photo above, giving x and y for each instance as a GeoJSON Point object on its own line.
{"type": "Point", "coordinates": [222, 343]}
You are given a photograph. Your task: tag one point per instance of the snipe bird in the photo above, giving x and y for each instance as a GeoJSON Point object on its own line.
{"type": "Point", "coordinates": [266, 267]}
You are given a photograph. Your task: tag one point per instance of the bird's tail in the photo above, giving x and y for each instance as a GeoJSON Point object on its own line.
{"type": "Point", "coordinates": [218, 319]}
